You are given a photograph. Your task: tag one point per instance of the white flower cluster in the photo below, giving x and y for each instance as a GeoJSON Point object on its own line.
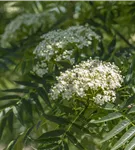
{"type": "Point", "coordinates": [61, 44]}
{"type": "Point", "coordinates": [24, 25]}
{"type": "Point", "coordinates": [91, 79]}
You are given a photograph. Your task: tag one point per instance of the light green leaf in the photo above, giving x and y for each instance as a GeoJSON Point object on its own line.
{"type": "Point", "coordinates": [129, 134]}
{"type": "Point", "coordinates": [109, 106]}
{"type": "Point", "coordinates": [131, 145]}
{"type": "Point", "coordinates": [109, 117]}
{"type": "Point", "coordinates": [117, 129]}
{"type": "Point", "coordinates": [132, 110]}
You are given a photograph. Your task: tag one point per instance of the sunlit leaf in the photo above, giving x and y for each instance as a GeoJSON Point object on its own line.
{"type": "Point", "coordinates": [116, 130]}
{"type": "Point", "coordinates": [131, 145]}
{"type": "Point", "coordinates": [129, 134]}
{"type": "Point", "coordinates": [110, 116]}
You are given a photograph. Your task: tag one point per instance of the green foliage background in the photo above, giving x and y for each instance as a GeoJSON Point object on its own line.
{"type": "Point", "coordinates": [27, 116]}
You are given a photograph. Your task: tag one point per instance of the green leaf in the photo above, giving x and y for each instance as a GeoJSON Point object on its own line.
{"type": "Point", "coordinates": [35, 98]}
{"type": "Point", "coordinates": [26, 83]}
{"type": "Point", "coordinates": [27, 133]}
{"type": "Point", "coordinates": [18, 112]}
{"type": "Point", "coordinates": [64, 63]}
{"type": "Point", "coordinates": [28, 107]}
{"type": "Point", "coordinates": [81, 128]}
{"type": "Point", "coordinates": [23, 67]}
{"type": "Point", "coordinates": [112, 45]}
{"type": "Point", "coordinates": [65, 146]}
{"type": "Point", "coordinates": [50, 134]}
{"type": "Point", "coordinates": [48, 140]}
{"type": "Point", "coordinates": [8, 97]}
{"type": "Point", "coordinates": [10, 121]}
{"type": "Point", "coordinates": [19, 143]}
{"type": "Point", "coordinates": [9, 104]}
{"type": "Point", "coordinates": [109, 106]}
{"type": "Point", "coordinates": [43, 94]}
{"type": "Point", "coordinates": [9, 146]}
{"type": "Point", "coordinates": [58, 120]}
{"type": "Point", "coordinates": [129, 134]}
{"type": "Point", "coordinates": [117, 129]}
{"type": "Point", "coordinates": [75, 142]}
{"type": "Point", "coordinates": [16, 90]}
{"type": "Point", "coordinates": [131, 145]}
{"type": "Point", "coordinates": [129, 101]}
{"type": "Point", "coordinates": [36, 78]}
{"type": "Point", "coordinates": [66, 109]}
{"type": "Point", "coordinates": [117, 61]}
{"type": "Point", "coordinates": [49, 146]}
{"type": "Point", "coordinates": [2, 126]}
{"type": "Point", "coordinates": [132, 110]}
{"type": "Point", "coordinates": [109, 117]}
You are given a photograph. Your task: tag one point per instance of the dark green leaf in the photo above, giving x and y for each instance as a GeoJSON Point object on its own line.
{"type": "Point", "coordinates": [51, 134]}
{"type": "Point", "coordinates": [27, 133]}
{"type": "Point", "coordinates": [18, 112]}
{"type": "Point", "coordinates": [2, 126]}
{"type": "Point", "coordinates": [48, 140]}
{"type": "Point", "coordinates": [129, 101]}
{"type": "Point", "coordinates": [16, 90]}
{"type": "Point", "coordinates": [66, 109]}
{"type": "Point", "coordinates": [26, 83]}
{"type": "Point", "coordinates": [58, 120]}
{"type": "Point", "coordinates": [111, 46]}
{"type": "Point", "coordinates": [27, 105]}
{"type": "Point", "coordinates": [75, 142]}
{"type": "Point", "coordinates": [35, 98]}
{"type": "Point", "coordinates": [10, 121]}
{"type": "Point", "coordinates": [65, 146]}
{"type": "Point", "coordinates": [64, 63]}
{"type": "Point", "coordinates": [42, 92]}
{"type": "Point", "coordinates": [9, 97]}
{"type": "Point", "coordinates": [9, 104]}
{"type": "Point", "coordinates": [23, 67]}
{"type": "Point", "coordinates": [49, 146]}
